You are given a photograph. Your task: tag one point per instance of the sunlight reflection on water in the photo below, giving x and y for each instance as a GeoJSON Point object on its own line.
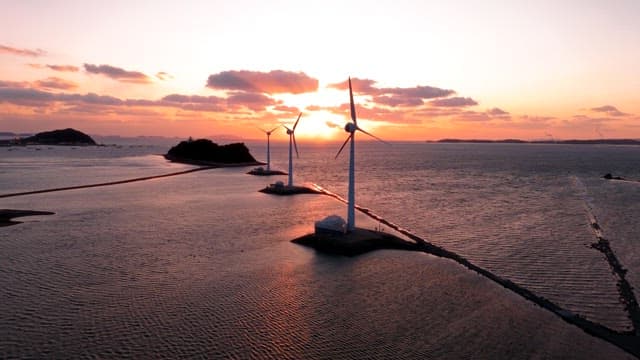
{"type": "Point", "coordinates": [201, 264]}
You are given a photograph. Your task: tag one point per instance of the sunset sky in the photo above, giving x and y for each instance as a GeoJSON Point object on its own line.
{"type": "Point", "coordinates": [421, 69]}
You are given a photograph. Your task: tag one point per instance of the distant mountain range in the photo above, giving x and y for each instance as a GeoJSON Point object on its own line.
{"type": "Point", "coordinates": [518, 141]}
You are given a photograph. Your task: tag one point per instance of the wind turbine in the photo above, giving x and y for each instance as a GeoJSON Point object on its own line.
{"type": "Point", "coordinates": [268, 146]}
{"type": "Point", "coordinates": [292, 143]}
{"type": "Point", "coordinates": [351, 128]}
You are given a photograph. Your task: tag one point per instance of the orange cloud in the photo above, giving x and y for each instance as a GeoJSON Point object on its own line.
{"type": "Point", "coordinates": [21, 52]}
{"type": "Point", "coordinates": [118, 73]}
{"type": "Point", "coordinates": [411, 96]}
{"type": "Point", "coordinates": [609, 110]}
{"type": "Point", "coordinates": [454, 102]}
{"type": "Point", "coordinates": [65, 68]}
{"type": "Point", "coordinates": [273, 82]}
{"type": "Point", "coordinates": [55, 83]}
{"type": "Point", "coordinates": [61, 68]}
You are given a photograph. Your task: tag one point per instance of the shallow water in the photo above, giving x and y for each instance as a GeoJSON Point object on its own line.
{"type": "Point", "coordinates": [201, 265]}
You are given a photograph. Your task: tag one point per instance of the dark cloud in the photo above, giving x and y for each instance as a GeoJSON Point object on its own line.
{"type": "Point", "coordinates": [64, 68]}
{"type": "Point", "coordinates": [396, 100]}
{"type": "Point", "coordinates": [423, 92]}
{"type": "Point", "coordinates": [237, 102]}
{"type": "Point", "coordinates": [25, 97]}
{"type": "Point", "coordinates": [366, 87]}
{"type": "Point", "coordinates": [21, 52]}
{"type": "Point", "coordinates": [472, 116]}
{"type": "Point", "coordinates": [497, 112]}
{"type": "Point", "coordinates": [408, 97]}
{"type": "Point", "coordinates": [273, 82]}
{"type": "Point", "coordinates": [609, 110]}
{"type": "Point", "coordinates": [118, 73]}
{"type": "Point", "coordinates": [61, 68]}
{"type": "Point", "coordinates": [14, 84]}
{"type": "Point", "coordinates": [454, 102]}
{"type": "Point", "coordinates": [252, 101]}
{"type": "Point", "coordinates": [91, 98]}
{"type": "Point", "coordinates": [196, 99]}
{"type": "Point", "coordinates": [55, 83]}
{"type": "Point", "coordinates": [162, 75]}
{"type": "Point", "coordinates": [359, 86]}
{"type": "Point", "coordinates": [195, 102]}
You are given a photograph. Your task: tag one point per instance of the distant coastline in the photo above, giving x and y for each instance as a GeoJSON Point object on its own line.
{"type": "Point", "coordinates": [518, 141]}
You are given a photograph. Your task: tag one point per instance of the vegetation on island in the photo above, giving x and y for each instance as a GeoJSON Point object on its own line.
{"type": "Point", "coordinates": [56, 137]}
{"type": "Point", "coordinates": [206, 151]}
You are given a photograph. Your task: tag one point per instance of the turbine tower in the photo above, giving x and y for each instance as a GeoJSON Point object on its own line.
{"type": "Point", "coordinates": [292, 143]}
{"type": "Point", "coordinates": [351, 128]}
{"type": "Point", "coordinates": [268, 146]}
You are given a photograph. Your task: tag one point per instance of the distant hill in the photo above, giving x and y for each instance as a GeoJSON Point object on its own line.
{"type": "Point", "coordinates": [517, 141]}
{"type": "Point", "coordinates": [204, 151]}
{"type": "Point", "coordinates": [55, 137]}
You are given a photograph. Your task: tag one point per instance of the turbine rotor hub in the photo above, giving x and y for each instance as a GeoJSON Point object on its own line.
{"type": "Point", "coordinates": [350, 127]}
{"type": "Point", "coordinates": [289, 132]}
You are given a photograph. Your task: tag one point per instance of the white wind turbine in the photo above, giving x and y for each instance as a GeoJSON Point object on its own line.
{"type": "Point", "coordinates": [292, 143]}
{"type": "Point", "coordinates": [351, 128]}
{"type": "Point", "coordinates": [268, 146]}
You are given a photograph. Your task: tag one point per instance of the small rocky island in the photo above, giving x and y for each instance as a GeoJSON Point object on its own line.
{"type": "Point", "coordinates": [206, 152]}
{"type": "Point", "coordinates": [70, 137]}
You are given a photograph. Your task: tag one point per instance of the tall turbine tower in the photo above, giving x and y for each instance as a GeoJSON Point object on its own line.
{"type": "Point", "coordinates": [351, 128]}
{"type": "Point", "coordinates": [268, 146]}
{"type": "Point", "coordinates": [292, 143]}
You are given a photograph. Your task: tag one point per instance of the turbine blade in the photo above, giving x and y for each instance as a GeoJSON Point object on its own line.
{"type": "Point", "coordinates": [295, 145]}
{"type": "Point", "coordinates": [353, 106]}
{"type": "Point", "coordinates": [373, 136]}
{"type": "Point", "coordinates": [296, 124]}
{"type": "Point", "coordinates": [286, 127]}
{"type": "Point", "coordinates": [343, 145]}
{"type": "Point", "coordinates": [261, 129]}
{"type": "Point", "coordinates": [274, 129]}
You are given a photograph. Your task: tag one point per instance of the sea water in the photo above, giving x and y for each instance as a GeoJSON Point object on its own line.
{"type": "Point", "coordinates": [200, 265]}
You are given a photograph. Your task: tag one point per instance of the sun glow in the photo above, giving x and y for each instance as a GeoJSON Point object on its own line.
{"type": "Point", "coordinates": [318, 125]}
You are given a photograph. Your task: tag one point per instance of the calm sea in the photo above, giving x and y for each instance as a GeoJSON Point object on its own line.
{"type": "Point", "coordinates": [200, 265]}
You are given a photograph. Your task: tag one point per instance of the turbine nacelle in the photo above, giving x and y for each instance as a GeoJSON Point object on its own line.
{"type": "Point", "coordinates": [350, 127]}
{"type": "Point", "coordinates": [270, 131]}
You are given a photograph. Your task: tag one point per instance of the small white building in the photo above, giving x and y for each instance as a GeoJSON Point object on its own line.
{"type": "Point", "coordinates": [332, 225]}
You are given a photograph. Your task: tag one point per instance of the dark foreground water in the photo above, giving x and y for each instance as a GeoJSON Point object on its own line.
{"type": "Point", "coordinates": [200, 265]}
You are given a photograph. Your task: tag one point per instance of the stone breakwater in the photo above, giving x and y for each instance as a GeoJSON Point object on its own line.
{"type": "Point", "coordinates": [628, 340]}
